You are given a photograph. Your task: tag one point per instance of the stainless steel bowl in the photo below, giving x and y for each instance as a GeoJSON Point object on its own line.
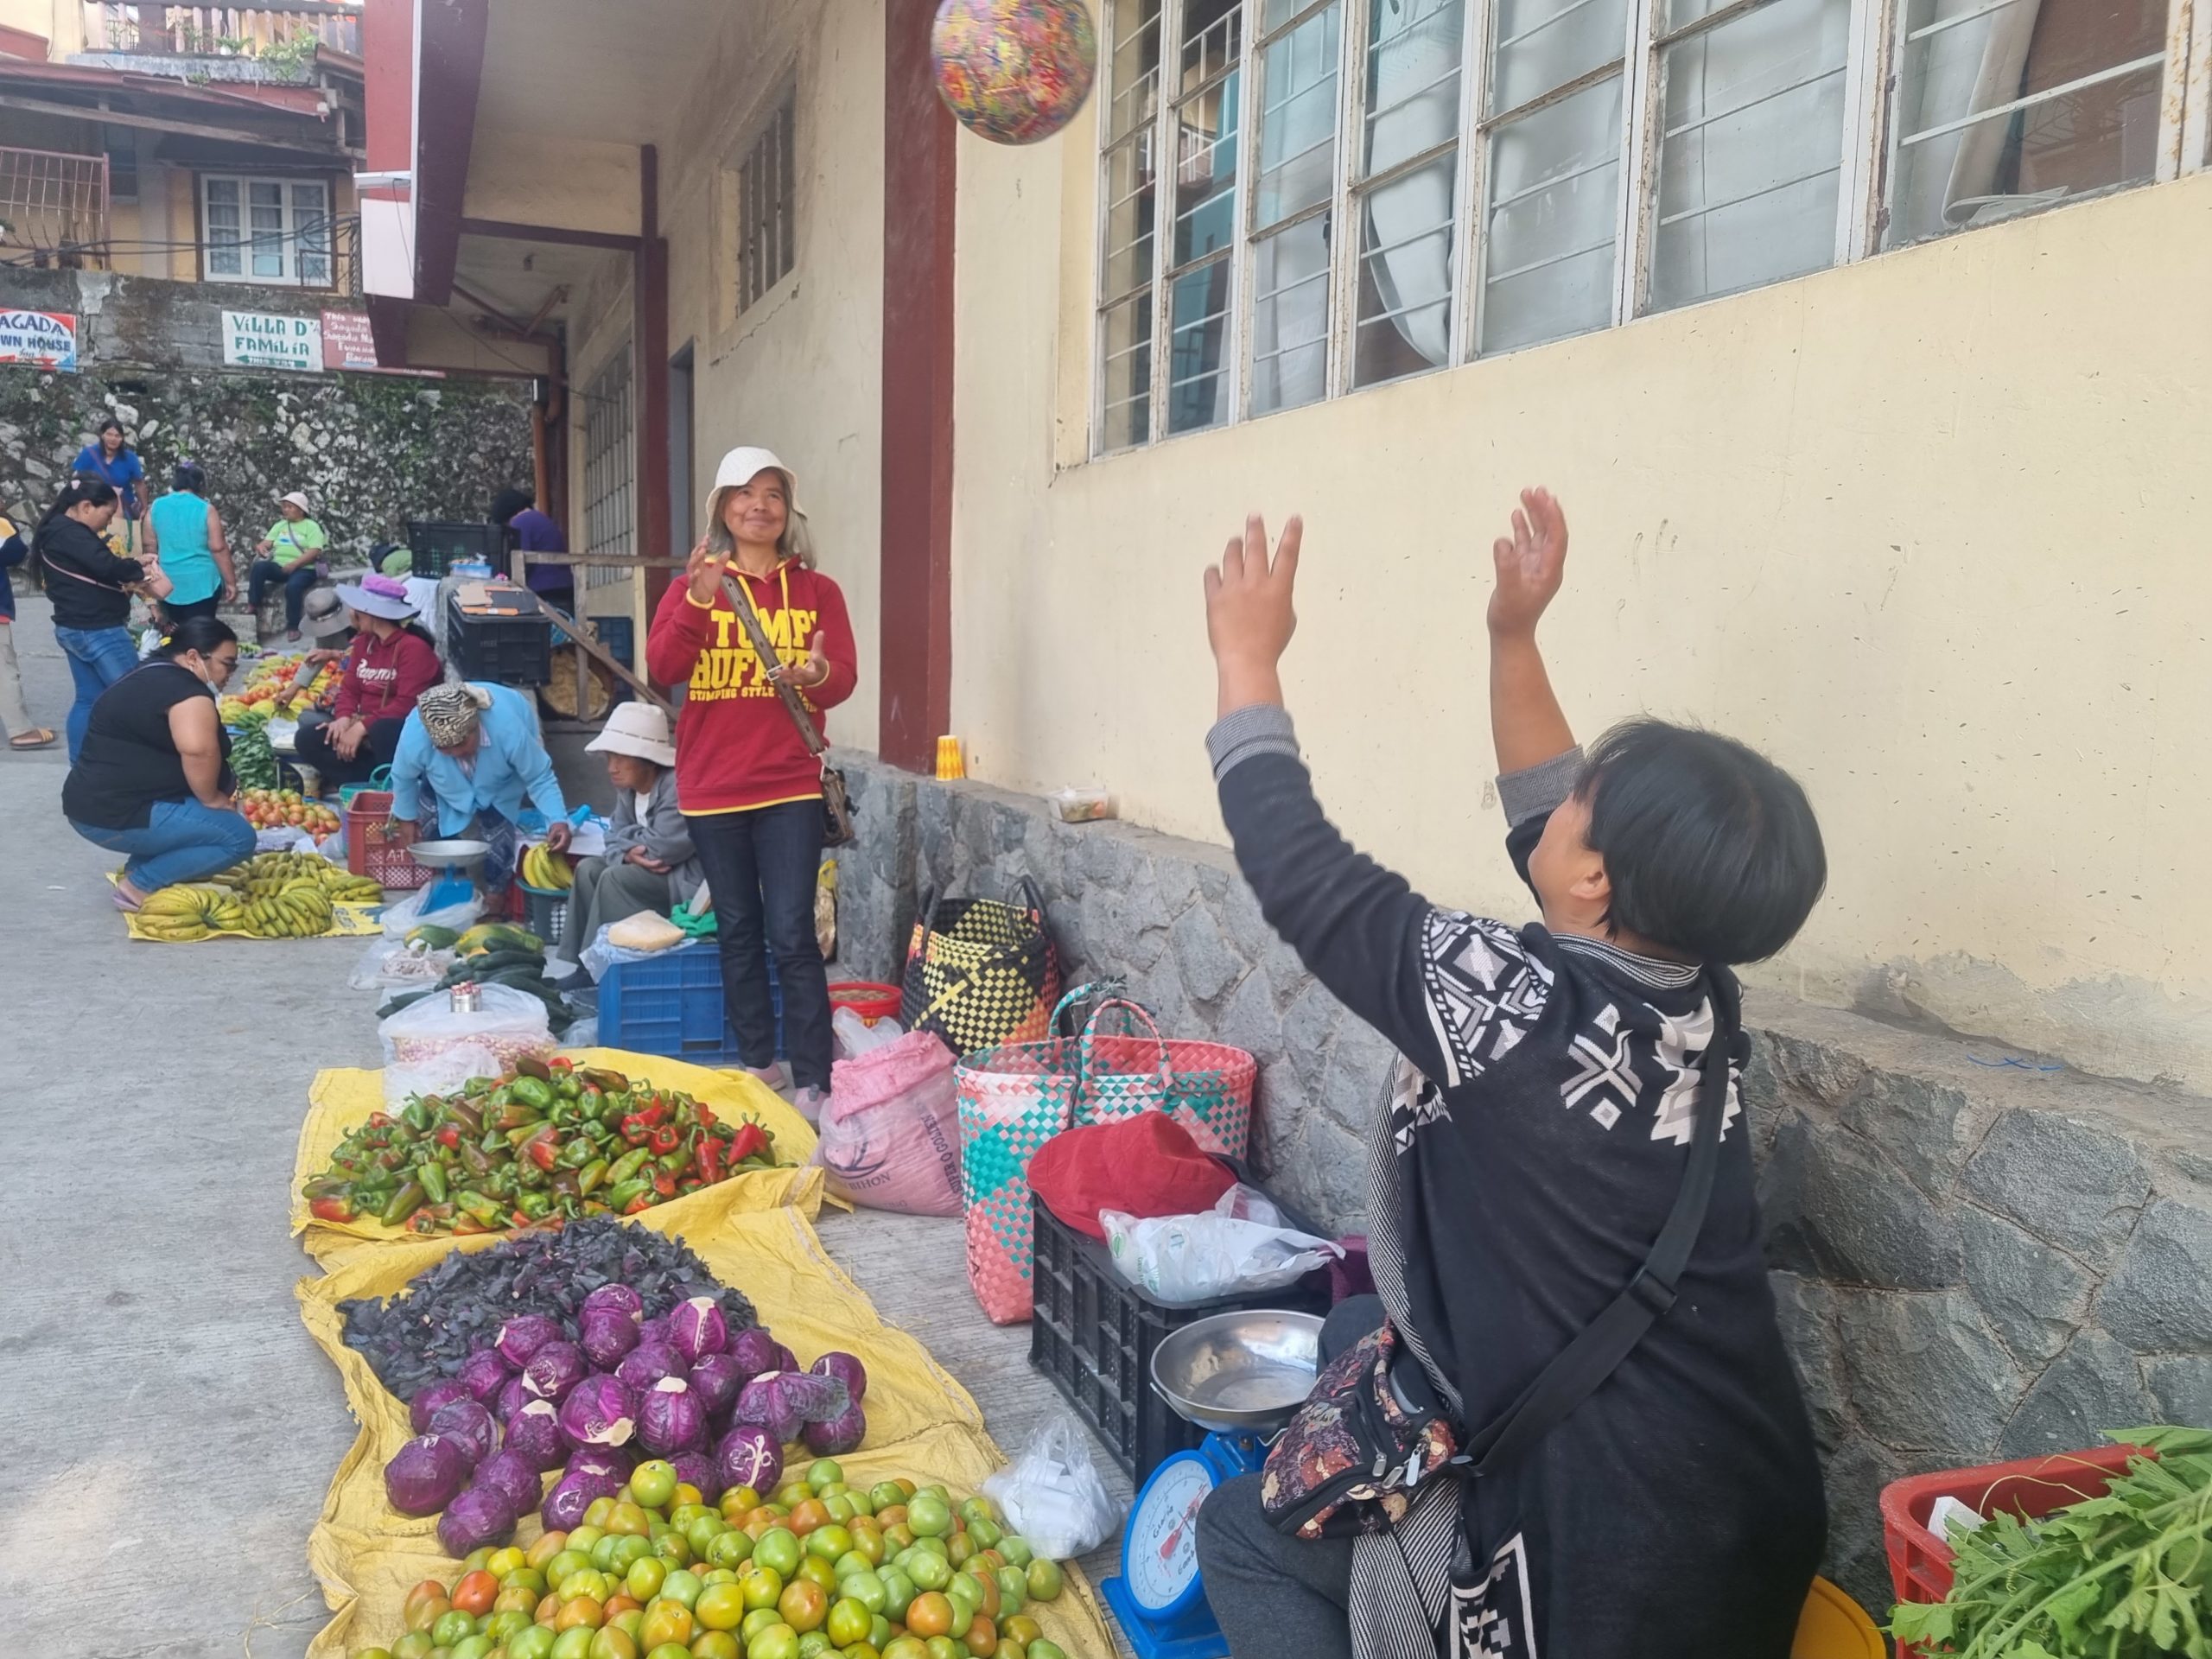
{"type": "Point", "coordinates": [1241, 1373]}
{"type": "Point", "coordinates": [463, 855]}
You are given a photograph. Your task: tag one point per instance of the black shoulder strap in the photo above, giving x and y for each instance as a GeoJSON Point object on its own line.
{"type": "Point", "coordinates": [1584, 1364]}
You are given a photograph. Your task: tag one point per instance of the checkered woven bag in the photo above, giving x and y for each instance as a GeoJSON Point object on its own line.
{"type": "Point", "coordinates": [1205, 1087]}
{"type": "Point", "coordinates": [980, 974]}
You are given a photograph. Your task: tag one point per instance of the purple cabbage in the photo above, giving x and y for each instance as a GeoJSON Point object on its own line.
{"type": "Point", "coordinates": [607, 1334]}
{"type": "Point", "coordinates": [425, 1475]}
{"type": "Point", "coordinates": [535, 1432]}
{"type": "Point", "coordinates": [647, 1363]}
{"type": "Point", "coordinates": [481, 1516]}
{"type": "Point", "coordinates": [469, 1425]}
{"type": "Point", "coordinates": [554, 1369]}
{"type": "Point", "coordinates": [840, 1434]}
{"type": "Point", "coordinates": [786, 1360]}
{"type": "Point", "coordinates": [717, 1379]}
{"type": "Point", "coordinates": [749, 1456]}
{"type": "Point", "coordinates": [484, 1373]}
{"type": "Point", "coordinates": [697, 1469]}
{"type": "Point", "coordinates": [427, 1400]}
{"type": "Point", "coordinates": [844, 1366]}
{"type": "Point", "coordinates": [671, 1417]}
{"type": "Point", "coordinates": [614, 1461]}
{"type": "Point", "coordinates": [698, 1328]}
{"type": "Point", "coordinates": [654, 1331]}
{"type": "Point", "coordinates": [564, 1506]}
{"type": "Point", "coordinates": [782, 1402]}
{"type": "Point", "coordinates": [616, 1298]}
{"type": "Point", "coordinates": [514, 1476]}
{"type": "Point", "coordinates": [755, 1350]}
{"type": "Point", "coordinates": [513, 1398]}
{"type": "Point", "coordinates": [599, 1411]}
{"type": "Point", "coordinates": [521, 1336]}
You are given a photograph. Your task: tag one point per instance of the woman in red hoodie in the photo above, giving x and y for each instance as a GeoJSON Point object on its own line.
{"type": "Point", "coordinates": [748, 786]}
{"type": "Point", "coordinates": [392, 662]}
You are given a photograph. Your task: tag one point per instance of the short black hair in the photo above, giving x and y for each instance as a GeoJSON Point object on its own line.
{"type": "Point", "coordinates": [1711, 850]}
{"type": "Point", "coordinates": [509, 502]}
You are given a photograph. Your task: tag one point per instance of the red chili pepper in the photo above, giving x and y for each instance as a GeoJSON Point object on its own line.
{"type": "Point", "coordinates": [709, 1156]}
{"type": "Point", "coordinates": [664, 1183]}
{"type": "Point", "coordinates": [544, 1146]}
{"type": "Point", "coordinates": [643, 1202]}
{"type": "Point", "coordinates": [634, 1133]}
{"type": "Point", "coordinates": [331, 1210]}
{"type": "Point", "coordinates": [449, 1137]}
{"type": "Point", "coordinates": [517, 1219]}
{"type": "Point", "coordinates": [465, 1223]}
{"type": "Point", "coordinates": [561, 1063]}
{"type": "Point", "coordinates": [666, 1139]}
{"type": "Point", "coordinates": [689, 1183]}
{"type": "Point", "coordinates": [751, 1138]}
{"type": "Point", "coordinates": [380, 1119]}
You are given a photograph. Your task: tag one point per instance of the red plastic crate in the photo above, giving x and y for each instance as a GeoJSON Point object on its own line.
{"type": "Point", "coordinates": [376, 847]}
{"type": "Point", "coordinates": [1920, 1561]}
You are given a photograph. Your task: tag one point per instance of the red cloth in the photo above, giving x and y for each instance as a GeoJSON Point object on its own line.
{"type": "Point", "coordinates": [1143, 1166]}
{"type": "Point", "coordinates": [383, 677]}
{"type": "Point", "coordinates": [736, 747]}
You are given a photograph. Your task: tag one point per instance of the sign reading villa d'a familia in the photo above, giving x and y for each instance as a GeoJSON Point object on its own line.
{"type": "Point", "coordinates": [258, 340]}
{"type": "Point", "coordinates": [45, 339]}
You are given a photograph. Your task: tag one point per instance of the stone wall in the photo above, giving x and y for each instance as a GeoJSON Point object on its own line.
{"type": "Point", "coordinates": [370, 451]}
{"type": "Point", "coordinates": [1972, 1261]}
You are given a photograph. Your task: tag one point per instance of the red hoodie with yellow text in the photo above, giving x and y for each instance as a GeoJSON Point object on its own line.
{"type": "Point", "coordinates": [736, 746]}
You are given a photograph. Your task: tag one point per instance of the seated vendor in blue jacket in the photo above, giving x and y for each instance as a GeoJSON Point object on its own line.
{"type": "Point", "coordinates": [474, 751]}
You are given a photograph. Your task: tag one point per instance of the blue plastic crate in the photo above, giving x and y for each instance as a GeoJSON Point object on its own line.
{"type": "Point", "coordinates": [672, 1005]}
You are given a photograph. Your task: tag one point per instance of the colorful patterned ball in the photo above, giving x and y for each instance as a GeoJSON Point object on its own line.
{"type": "Point", "coordinates": [1013, 70]}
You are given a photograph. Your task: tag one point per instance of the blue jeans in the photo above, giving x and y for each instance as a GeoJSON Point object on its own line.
{"type": "Point", "coordinates": [97, 658]}
{"type": "Point", "coordinates": [762, 866]}
{"type": "Point", "coordinates": [182, 841]}
{"type": "Point", "coordinates": [297, 581]}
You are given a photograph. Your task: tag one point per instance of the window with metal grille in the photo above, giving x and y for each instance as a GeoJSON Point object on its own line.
{"type": "Point", "coordinates": [768, 201]}
{"type": "Point", "coordinates": [610, 470]}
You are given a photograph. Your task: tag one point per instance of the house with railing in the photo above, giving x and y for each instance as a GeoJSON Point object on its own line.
{"type": "Point", "coordinates": [207, 144]}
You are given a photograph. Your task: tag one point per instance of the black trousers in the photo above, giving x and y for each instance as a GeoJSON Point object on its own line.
{"type": "Point", "coordinates": [1275, 1596]}
{"type": "Point", "coordinates": [762, 866]}
{"type": "Point", "coordinates": [312, 746]}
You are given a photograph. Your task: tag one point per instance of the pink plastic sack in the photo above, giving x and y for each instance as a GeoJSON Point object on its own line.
{"type": "Point", "coordinates": [890, 1135]}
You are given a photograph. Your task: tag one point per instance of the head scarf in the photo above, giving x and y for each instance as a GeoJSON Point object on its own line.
{"type": "Point", "coordinates": [450, 712]}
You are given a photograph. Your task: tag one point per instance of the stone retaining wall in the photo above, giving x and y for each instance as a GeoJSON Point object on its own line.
{"type": "Point", "coordinates": [1972, 1261]}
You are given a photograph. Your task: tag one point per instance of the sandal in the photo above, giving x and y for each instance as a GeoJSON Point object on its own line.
{"type": "Point", "coordinates": [124, 900]}
{"type": "Point", "coordinates": [38, 737]}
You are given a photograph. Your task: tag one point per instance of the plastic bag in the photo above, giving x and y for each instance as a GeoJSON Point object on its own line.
{"type": "Point", "coordinates": [855, 1037]}
{"type": "Point", "coordinates": [430, 1049]}
{"type": "Point", "coordinates": [1240, 1245]}
{"type": "Point", "coordinates": [889, 1134]}
{"type": "Point", "coordinates": [1053, 1495]}
{"type": "Point", "coordinates": [395, 965]}
{"type": "Point", "coordinates": [600, 955]}
{"type": "Point", "coordinates": [403, 917]}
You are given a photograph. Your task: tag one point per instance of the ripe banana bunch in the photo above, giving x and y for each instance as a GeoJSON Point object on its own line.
{"type": "Point", "coordinates": [348, 889]}
{"type": "Point", "coordinates": [299, 912]}
{"type": "Point", "coordinates": [542, 868]}
{"type": "Point", "coordinates": [180, 914]}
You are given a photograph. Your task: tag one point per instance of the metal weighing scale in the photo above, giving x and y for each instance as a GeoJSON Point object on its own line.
{"type": "Point", "coordinates": [1241, 1376]}
{"type": "Point", "coordinates": [457, 863]}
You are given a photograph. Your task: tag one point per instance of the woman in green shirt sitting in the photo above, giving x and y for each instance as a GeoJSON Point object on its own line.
{"type": "Point", "coordinates": [290, 553]}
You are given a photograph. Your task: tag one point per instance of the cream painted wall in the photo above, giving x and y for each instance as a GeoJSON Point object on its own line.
{"type": "Point", "coordinates": [61, 21]}
{"type": "Point", "coordinates": [538, 178]}
{"type": "Point", "coordinates": [1931, 530]}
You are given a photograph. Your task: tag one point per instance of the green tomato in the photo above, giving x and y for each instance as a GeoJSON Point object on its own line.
{"type": "Point", "coordinates": [500, 1626]}
{"type": "Point", "coordinates": [929, 1515]}
{"type": "Point", "coordinates": [613, 1642]}
{"type": "Point", "coordinates": [928, 1569]}
{"type": "Point", "coordinates": [670, 1650]}
{"type": "Point", "coordinates": [573, 1644]}
{"type": "Point", "coordinates": [813, 1645]}
{"type": "Point", "coordinates": [899, 1592]}
{"type": "Point", "coordinates": [945, 1647]}
{"type": "Point", "coordinates": [473, 1646]}
{"type": "Point", "coordinates": [935, 1546]}
{"type": "Point", "coordinates": [851, 1562]}
{"type": "Point", "coordinates": [644, 1580]}
{"type": "Point", "coordinates": [598, 1511]}
{"type": "Point", "coordinates": [675, 1549]}
{"type": "Point", "coordinates": [866, 1586]}
{"type": "Point", "coordinates": [628, 1552]}
{"type": "Point", "coordinates": [885, 1493]}
{"type": "Point", "coordinates": [474, 1560]}
{"type": "Point", "coordinates": [757, 1621]}
{"type": "Point", "coordinates": [372, 1653]}
{"type": "Point", "coordinates": [729, 1548]}
{"type": "Point", "coordinates": [777, 1548]}
{"type": "Point", "coordinates": [1045, 1582]}
{"type": "Point", "coordinates": [985, 1533]}
{"type": "Point", "coordinates": [582, 1538]}
{"type": "Point", "coordinates": [828, 1543]}
{"type": "Point", "coordinates": [840, 1506]}
{"type": "Point", "coordinates": [979, 1509]}
{"type": "Point", "coordinates": [703, 1532]}
{"type": "Point", "coordinates": [1013, 1590]}
{"type": "Point", "coordinates": [878, 1632]}
{"type": "Point", "coordinates": [777, 1641]}
{"type": "Point", "coordinates": [848, 1622]}
{"type": "Point", "coordinates": [821, 1472]}
{"type": "Point", "coordinates": [654, 1483]}
{"type": "Point", "coordinates": [602, 1553]}
{"type": "Point", "coordinates": [714, 1575]}
{"type": "Point", "coordinates": [565, 1565]}
{"type": "Point", "coordinates": [416, 1645]}
{"type": "Point", "coordinates": [863, 1502]}
{"type": "Point", "coordinates": [456, 1626]}
{"type": "Point", "coordinates": [684, 1514]}
{"type": "Point", "coordinates": [534, 1642]}
{"type": "Point", "coordinates": [965, 1606]}
{"type": "Point", "coordinates": [683, 1586]}
{"type": "Point", "coordinates": [1015, 1548]}
{"type": "Point", "coordinates": [1047, 1651]}
{"type": "Point", "coordinates": [525, 1578]}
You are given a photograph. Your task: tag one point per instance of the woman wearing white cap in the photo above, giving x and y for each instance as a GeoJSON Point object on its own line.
{"type": "Point", "coordinates": [650, 862]}
{"type": "Point", "coordinates": [749, 785]}
{"type": "Point", "coordinates": [391, 662]}
{"type": "Point", "coordinates": [290, 553]}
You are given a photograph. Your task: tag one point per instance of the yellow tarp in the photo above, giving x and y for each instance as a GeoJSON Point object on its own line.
{"type": "Point", "coordinates": [346, 922]}
{"type": "Point", "coordinates": [341, 1100]}
{"type": "Point", "coordinates": [921, 1422]}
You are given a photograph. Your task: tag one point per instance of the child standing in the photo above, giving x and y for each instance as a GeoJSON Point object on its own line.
{"type": "Point", "coordinates": [1531, 1144]}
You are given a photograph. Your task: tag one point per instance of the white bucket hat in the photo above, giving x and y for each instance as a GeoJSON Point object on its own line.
{"type": "Point", "coordinates": [741, 466]}
{"type": "Point", "coordinates": [296, 499]}
{"type": "Point", "coordinates": [637, 729]}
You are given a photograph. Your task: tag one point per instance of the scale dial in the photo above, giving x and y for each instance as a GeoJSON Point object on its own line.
{"type": "Point", "coordinates": [1159, 1549]}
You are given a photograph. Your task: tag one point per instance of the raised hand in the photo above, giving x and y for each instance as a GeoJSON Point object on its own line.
{"type": "Point", "coordinates": [1531, 563]}
{"type": "Point", "coordinates": [1249, 616]}
{"type": "Point", "coordinates": [807, 675]}
{"type": "Point", "coordinates": [704, 570]}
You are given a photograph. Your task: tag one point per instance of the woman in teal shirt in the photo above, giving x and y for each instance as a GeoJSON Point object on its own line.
{"type": "Point", "coordinates": [185, 532]}
{"type": "Point", "coordinates": [474, 751]}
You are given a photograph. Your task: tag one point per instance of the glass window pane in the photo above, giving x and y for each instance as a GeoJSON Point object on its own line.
{"type": "Point", "coordinates": [1950, 171]}
{"type": "Point", "coordinates": [1290, 316]}
{"type": "Point", "coordinates": [1125, 373]}
{"type": "Point", "coordinates": [1133, 70]}
{"type": "Point", "coordinates": [1405, 276]}
{"type": "Point", "coordinates": [1197, 350]}
{"type": "Point", "coordinates": [224, 192]}
{"type": "Point", "coordinates": [266, 216]}
{"type": "Point", "coordinates": [1413, 53]}
{"type": "Point", "coordinates": [1125, 260]}
{"type": "Point", "coordinates": [1552, 222]}
{"type": "Point", "coordinates": [1536, 45]}
{"type": "Point", "coordinates": [311, 225]}
{"type": "Point", "coordinates": [1751, 153]}
{"type": "Point", "coordinates": [1213, 36]}
{"type": "Point", "coordinates": [1298, 119]}
{"type": "Point", "coordinates": [1205, 173]}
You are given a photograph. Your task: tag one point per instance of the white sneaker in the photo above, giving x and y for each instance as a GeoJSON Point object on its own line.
{"type": "Point", "coordinates": [772, 1076]}
{"type": "Point", "coordinates": [809, 1103]}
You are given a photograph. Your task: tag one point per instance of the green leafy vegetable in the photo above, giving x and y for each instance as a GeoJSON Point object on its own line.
{"type": "Point", "coordinates": [2126, 1575]}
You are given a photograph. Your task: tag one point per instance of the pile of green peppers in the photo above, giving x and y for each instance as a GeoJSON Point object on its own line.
{"type": "Point", "coordinates": [546, 1143]}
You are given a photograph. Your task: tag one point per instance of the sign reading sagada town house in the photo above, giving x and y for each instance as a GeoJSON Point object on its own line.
{"type": "Point", "coordinates": [45, 339]}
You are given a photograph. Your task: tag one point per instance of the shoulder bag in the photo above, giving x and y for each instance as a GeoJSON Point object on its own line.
{"type": "Point", "coordinates": [836, 800]}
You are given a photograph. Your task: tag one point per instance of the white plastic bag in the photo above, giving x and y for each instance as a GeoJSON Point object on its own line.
{"type": "Point", "coordinates": [430, 1049]}
{"type": "Point", "coordinates": [855, 1037]}
{"type": "Point", "coordinates": [403, 917]}
{"type": "Point", "coordinates": [395, 965]}
{"type": "Point", "coordinates": [602, 954]}
{"type": "Point", "coordinates": [1239, 1245]}
{"type": "Point", "coordinates": [1053, 1495]}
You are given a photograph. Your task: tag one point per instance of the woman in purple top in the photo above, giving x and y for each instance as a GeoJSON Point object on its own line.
{"type": "Point", "coordinates": [535, 533]}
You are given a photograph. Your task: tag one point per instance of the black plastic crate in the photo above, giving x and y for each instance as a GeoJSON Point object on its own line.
{"type": "Point", "coordinates": [506, 650]}
{"type": "Point", "coordinates": [437, 548]}
{"type": "Point", "coordinates": [1093, 1334]}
